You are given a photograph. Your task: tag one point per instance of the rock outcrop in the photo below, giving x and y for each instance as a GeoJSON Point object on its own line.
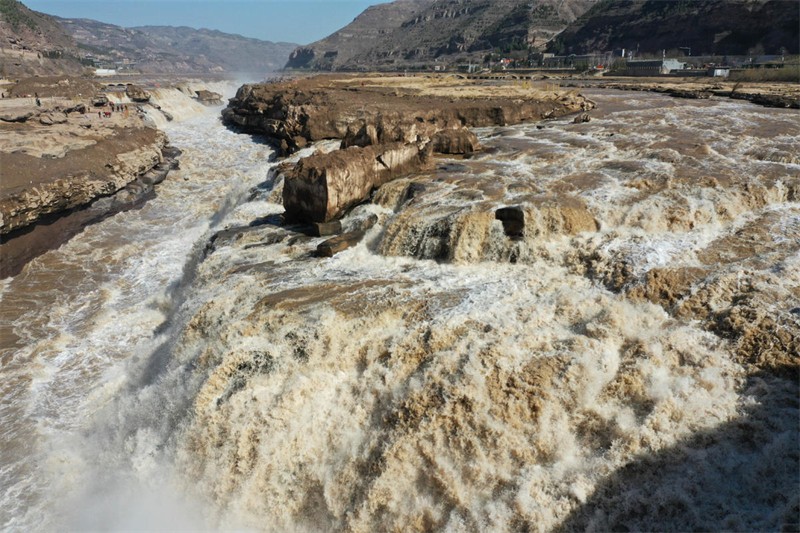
{"type": "Point", "coordinates": [25, 205]}
{"type": "Point", "coordinates": [368, 111]}
{"type": "Point", "coordinates": [321, 187]}
{"type": "Point", "coordinates": [137, 94]}
{"type": "Point", "coordinates": [387, 128]}
{"type": "Point", "coordinates": [208, 98]}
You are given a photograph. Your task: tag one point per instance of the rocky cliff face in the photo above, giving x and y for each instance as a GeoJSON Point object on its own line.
{"type": "Point", "coordinates": [129, 155]}
{"type": "Point", "coordinates": [706, 26]}
{"type": "Point", "coordinates": [408, 33]}
{"type": "Point", "coordinates": [397, 109]}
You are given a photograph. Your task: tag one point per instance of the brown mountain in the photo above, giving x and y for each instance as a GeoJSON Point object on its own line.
{"type": "Point", "coordinates": [166, 49]}
{"type": "Point", "coordinates": [409, 33]}
{"type": "Point", "coordinates": [33, 43]}
{"type": "Point", "coordinates": [706, 27]}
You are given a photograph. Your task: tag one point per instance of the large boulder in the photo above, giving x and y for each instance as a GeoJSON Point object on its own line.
{"type": "Point", "coordinates": [53, 117]}
{"type": "Point", "coordinates": [322, 187]}
{"type": "Point", "coordinates": [137, 94]}
{"type": "Point", "coordinates": [208, 98]}
{"type": "Point", "coordinates": [455, 142]}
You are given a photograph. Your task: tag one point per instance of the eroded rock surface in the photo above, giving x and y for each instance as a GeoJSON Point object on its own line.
{"type": "Point", "coordinates": [209, 98]}
{"type": "Point", "coordinates": [399, 109]}
{"type": "Point", "coordinates": [137, 94]}
{"type": "Point", "coordinates": [98, 170]}
{"type": "Point", "coordinates": [387, 126]}
{"type": "Point", "coordinates": [67, 157]}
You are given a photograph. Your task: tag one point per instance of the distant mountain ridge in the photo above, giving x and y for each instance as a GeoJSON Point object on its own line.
{"type": "Point", "coordinates": [33, 43]}
{"type": "Point", "coordinates": [408, 33]}
{"type": "Point", "coordinates": [167, 49]}
{"type": "Point", "coordinates": [708, 27]}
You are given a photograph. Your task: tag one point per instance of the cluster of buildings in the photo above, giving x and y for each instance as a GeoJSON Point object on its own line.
{"type": "Point", "coordinates": [624, 63]}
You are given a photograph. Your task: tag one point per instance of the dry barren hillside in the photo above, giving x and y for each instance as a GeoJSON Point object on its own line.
{"type": "Point", "coordinates": [33, 43]}
{"type": "Point", "coordinates": [408, 33]}
{"type": "Point", "coordinates": [705, 27]}
{"type": "Point", "coordinates": [165, 49]}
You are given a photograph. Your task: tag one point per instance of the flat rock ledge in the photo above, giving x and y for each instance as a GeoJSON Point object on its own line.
{"type": "Point", "coordinates": [28, 204]}
{"type": "Point", "coordinates": [388, 127]}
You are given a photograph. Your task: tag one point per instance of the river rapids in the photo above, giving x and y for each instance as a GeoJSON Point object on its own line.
{"type": "Point", "coordinates": [627, 361]}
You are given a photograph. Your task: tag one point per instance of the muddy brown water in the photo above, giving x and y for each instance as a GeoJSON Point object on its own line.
{"type": "Point", "coordinates": [440, 375]}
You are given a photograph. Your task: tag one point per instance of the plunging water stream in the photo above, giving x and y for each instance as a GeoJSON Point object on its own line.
{"type": "Point", "coordinates": [151, 379]}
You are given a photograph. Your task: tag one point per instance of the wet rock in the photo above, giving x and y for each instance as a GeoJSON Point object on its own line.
{"type": "Point", "coordinates": [581, 118]}
{"type": "Point", "coordinates": [513, 219]}
{"type": "Point", "coordinates": [360, 223]}
{"type": "Point", "coordinates": [322, 229]}
{"type": "Point", "coordinates": [666, 286]}
{"type": "Point", "coordinates": [171, 152]}
{"type": "Point", "coordinates": [690, 94]}
{"type": "Point", "coordinates": [208, 98]}
{"type": "Point", "coordinates": [339, 243]}
{"type": "Point", "coordinates": [321, 187]}
{"type": "Point", "coordinates": [137, 94]}
{"type": "Point", "coordinates": [455, 142]}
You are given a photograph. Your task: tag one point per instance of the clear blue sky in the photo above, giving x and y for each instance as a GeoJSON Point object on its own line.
{"type": "Point", "coordinates": [297, 21]}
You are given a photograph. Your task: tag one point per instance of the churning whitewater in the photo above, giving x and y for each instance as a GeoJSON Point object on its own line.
{"type": "Point", "coordinates": [628, 361]}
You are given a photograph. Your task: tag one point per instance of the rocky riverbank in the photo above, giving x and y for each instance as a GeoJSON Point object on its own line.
{"type": "Point", "coordinates": [388, 126]}
{"type": "Point", "coordinates": [71, 152]}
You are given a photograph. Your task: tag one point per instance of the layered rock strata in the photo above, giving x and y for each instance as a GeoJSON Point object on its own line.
{"type": "Point", "coordinates": [71, 186]}
{"type": "Point", "coordinates": [387, 126]}
{"type": "Point", "coordinates": [66, 165]}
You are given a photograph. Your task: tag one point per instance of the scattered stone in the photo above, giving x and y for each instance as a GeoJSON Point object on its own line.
{"type": "Point", "coordinates": [513, 219]}
{"type": "Point", "coordinates": [322, 229]}
{"type": "Point", "coordinates": [208, 98]}
{"type": "Point", "coordinates": [79, 108]}
{"type": "Point", "coordinates": [581, 118]}
{"type": "Point", "coordinates": [48, 119]}
{"type": "Point", "coordinates": [362, 224]}
{"type": "Point", "coordinates": [339, 243]}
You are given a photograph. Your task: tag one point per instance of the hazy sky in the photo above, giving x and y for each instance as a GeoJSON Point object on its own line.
{"type": "Point", "coordinates": [298, 21]}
